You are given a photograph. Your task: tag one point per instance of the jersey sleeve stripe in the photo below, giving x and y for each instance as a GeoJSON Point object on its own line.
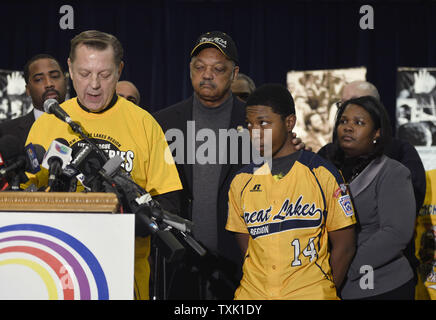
{"type": "Point", "coordinates": [314, 161]}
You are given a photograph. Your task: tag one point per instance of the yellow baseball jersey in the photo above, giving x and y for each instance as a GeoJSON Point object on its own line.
{"type": "Point", "coordinates": [126, 130]}
{"type": "Point", "coordinates": [425, 240]}
{"type": "Point", "coordinates": [288, 221]}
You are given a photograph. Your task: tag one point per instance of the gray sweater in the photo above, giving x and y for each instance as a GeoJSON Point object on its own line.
{"type": "Point", "coordinates": [206, 174]}
{"type": "Point", "coordinates": [385, 209]}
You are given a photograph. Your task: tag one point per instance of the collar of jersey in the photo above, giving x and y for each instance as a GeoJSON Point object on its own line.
{"type": "Point", "coordinates": [265, 168]}
{"type": "Point", "coordinates": [110, 105]}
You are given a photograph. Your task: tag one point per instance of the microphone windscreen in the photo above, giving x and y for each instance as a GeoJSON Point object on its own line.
{"type": "Point", "coordinates": [60, 150]}
{"type": "Point", "coordinates": [112, 165]}
{"type": "Point", "coordinates": [10, 147]}
{"type": "Point", "coordinates": [47, 105]}
{"type": "Point", "coordinates": [40, 152]}
{"type": "Point", "coordinates": [91, 166]}
{"type": "Point", "coordinates": [79, 155]}
{"type": "Point", "coordinates": [33, 158]}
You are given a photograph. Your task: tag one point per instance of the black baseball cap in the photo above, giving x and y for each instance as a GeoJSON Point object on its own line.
{"type": "Point", "coordinates": [219, 40]}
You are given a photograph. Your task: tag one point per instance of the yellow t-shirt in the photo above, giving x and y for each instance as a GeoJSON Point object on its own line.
{"type": "Point", "coordinates": [288, 221]}
{"type": "Point", "coordinates": [129, 131]}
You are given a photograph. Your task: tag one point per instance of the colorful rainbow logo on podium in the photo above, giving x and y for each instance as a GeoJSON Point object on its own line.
{"type": "Point", "coordinates": [68, 269]}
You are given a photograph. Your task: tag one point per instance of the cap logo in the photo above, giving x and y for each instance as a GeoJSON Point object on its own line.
{"type": "Point", "coordinates": [217, 40]}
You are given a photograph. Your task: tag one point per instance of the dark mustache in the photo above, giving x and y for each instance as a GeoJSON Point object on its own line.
{"type": "Point", "coordinates": [46, 93]}
{"type": "Point", "coordinates": [207, 82]}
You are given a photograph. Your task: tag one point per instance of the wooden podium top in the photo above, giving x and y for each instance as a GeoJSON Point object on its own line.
{"type": "Point", "coordinates": [59, 201]}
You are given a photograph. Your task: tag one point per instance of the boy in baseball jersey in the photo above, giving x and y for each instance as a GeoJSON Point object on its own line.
{"type": "Point", "coordinates": [292, 216]}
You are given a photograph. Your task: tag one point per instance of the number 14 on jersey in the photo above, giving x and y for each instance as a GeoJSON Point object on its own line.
{"type": "Point", "coordinates": [309, 251]}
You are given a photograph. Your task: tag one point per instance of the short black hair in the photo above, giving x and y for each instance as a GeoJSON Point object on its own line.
{"type": "Point", "coordinates": [273, 95]}
{"type": "Point", "coordinates": [379, 116]}
{"type": "Point", "coordinates": [35, 58]}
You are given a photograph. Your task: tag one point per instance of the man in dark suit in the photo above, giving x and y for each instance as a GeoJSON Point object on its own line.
{"type": "Point", "coordinates": [212, 107]}
{"type": "Point", "coordinates": [45, 79]}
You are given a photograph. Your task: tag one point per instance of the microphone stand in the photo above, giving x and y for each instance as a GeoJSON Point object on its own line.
{"type": "Point", "coordinates": [79, 130]}
{"type": "Point", "coordinates": [164, 245]}
{"type": "Point", "coordinates": [63, 116]}
{"type": "Point", "coordinates": [160, 262]}
{"type": "Point", "coordinates": [16, 180]}
{"type": "Point", "coordinates": [156, 293]}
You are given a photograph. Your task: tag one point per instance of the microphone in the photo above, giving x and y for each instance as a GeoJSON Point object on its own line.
{"type": "Point", "coordinates": [56, 158]}
{"type": "Point", "coordinates": [90, 168]}
{"type": "Point", "coordinates": [59, 151]}
{"type": "Point", "coordinates": [9, 148]}
{"type": "Point", "coordinates": [171, 219]}
{"type": "Point", "coordinates": [29, 162]}
{"type": "Point", "coordinates": [111, 167]}
{"type": "Point", "coordinates": [51, 106]}
{"type": "Point", "coordinates": [35, 153]}
{"type": "Point", "coordinates": [85, 166]}
{"type": "Point", "coordinates": [147, 208]}
{"type": "Point", "coordinates": [72, 169]}
{"type": "Point", "coordinates": [170, 247]}
{"type": "Point", "coordinates": [161, 214]}
{"type": "Point", "coordinates": [110, 173]}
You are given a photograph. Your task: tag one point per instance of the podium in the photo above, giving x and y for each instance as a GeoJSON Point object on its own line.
{"type": "Point", "coordinates": [65, 246]}
{"type": "Point", "coordinates": [59, 202]}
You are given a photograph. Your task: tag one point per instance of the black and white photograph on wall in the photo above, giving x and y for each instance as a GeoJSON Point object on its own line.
{"type": "Point", "coordinates": [13, 99]}
{"type": "Point", "coordinates": [14, 102]}
{"type": "Point", "coordinates": [316, 94]}
{"type": "Point", "coordinates": [416, 111]}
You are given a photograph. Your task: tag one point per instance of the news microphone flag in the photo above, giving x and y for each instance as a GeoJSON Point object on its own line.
{"type": "Point", "coordinates": [59, 150]}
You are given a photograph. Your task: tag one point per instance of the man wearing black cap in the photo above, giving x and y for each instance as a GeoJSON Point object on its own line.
{"type": "Point", "coordinates": [213, 67]}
